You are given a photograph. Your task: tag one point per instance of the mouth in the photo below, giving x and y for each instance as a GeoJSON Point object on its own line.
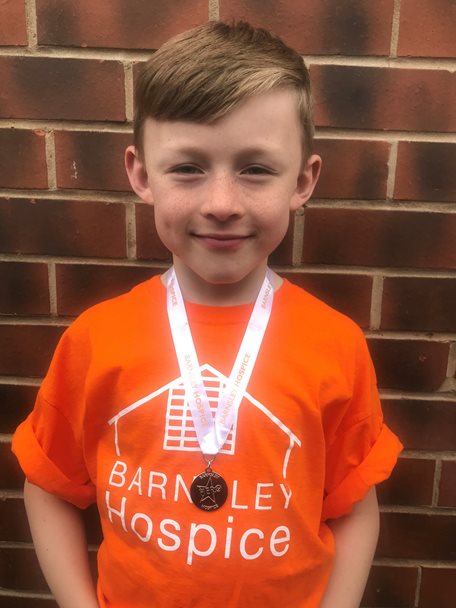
{"type": "Point", "coordinates": [222, 240]}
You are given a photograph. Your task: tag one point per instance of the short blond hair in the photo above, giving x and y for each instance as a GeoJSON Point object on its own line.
{"type": "Point", "coordinates": [204, 73]}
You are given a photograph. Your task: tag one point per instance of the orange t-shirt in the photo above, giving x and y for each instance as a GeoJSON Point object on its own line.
{"type": "Point", "coordinates": [111, 424]}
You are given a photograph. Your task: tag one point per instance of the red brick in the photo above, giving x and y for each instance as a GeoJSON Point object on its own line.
{"type": "Point", "coordinates": [379, 238]}
{"type": "Point", "coordinates": [82, 286]}
{"type": "Point", "coordinates": [438, 587]}
{"type": "Point", "coordinates": [422, 425]}
{"type": "Point", "coordinates": [91, 519]}
{"type": "Point", "coordinates": [409, 365]}
{"type": "Point", "coordinates": [348, 293]}
{"type": "Point", "coordinates": [411, 303]}
{"type": "Point", "coordinates": [11, 475]}
{"type": "Point", "coordinates": [16, 401]}
{"type": "Point", "coordinates": [22, 159]}
{"type": "Point", "coordinates": [66, 228]}
{"type": "Point", "coordinates": [13, 521]}
{"type": "Point", "coordinates": [425, 171]}
{"type": "Point", "coordinates": [135, 24]}
{"type": "Point", "coordinates": [25, 289]}
{"type": "Point", "coordinates": [355, 27]}
{"type": "Point", "coordinates": [352, 168]}
{"type": "Point", "coordinates": [20, 570]}
{"type": "Point", "coordinates": [417, 536]}
{"type": "Point", "coordinates": [13, 30]}
{"type": "Point", "coordinates": [148, 243]}
{"type": "Point", "coordinates": [411, 483]}
{"type": "Point", "coordinates": [390, 586]}
{"type": "Point", "coordinates": [283, 254]}
{"type": "Point", "coordinates": [447, 493]}
{"type": "Point", "coordinates": [26, 350]}
{"type": "Point", "coordinates": [90, 160]}
{"type": "Point", "coordinates": [427, 29]}
{"type": "Point", "coordinates": [58, 88]}
{"type": "Point", "coordinates": [382, 98]}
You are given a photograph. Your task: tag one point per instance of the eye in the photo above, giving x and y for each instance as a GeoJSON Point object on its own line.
{"type": "Point", "coordinates": [186, 170]}
{"type": "Point", "coordinates": [257, 170]}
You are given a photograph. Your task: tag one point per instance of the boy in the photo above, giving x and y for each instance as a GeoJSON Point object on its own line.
{"type": "Point", "coordinates": [226, 422]}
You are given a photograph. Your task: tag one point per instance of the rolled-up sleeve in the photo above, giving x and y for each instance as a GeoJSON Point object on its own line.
{"type": "Point", "coordinates": [363, 450]}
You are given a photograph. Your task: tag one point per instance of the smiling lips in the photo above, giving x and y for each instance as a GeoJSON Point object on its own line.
{"type": "Point", "coordinates": [222, 240]}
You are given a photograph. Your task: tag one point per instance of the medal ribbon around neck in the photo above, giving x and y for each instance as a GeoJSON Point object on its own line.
{"type": "Point", "coordinates": [212, 433]}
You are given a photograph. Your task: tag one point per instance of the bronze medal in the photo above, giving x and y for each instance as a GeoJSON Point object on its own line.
{"type": "Point", "coordinates": [209, 490]}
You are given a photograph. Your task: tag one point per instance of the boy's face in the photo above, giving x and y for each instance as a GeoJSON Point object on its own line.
{"type": "Point", "coordinates": [222, 192]}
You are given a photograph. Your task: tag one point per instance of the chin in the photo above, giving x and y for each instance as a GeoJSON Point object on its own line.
{"type": "Point", "coordinates": [219, 277]}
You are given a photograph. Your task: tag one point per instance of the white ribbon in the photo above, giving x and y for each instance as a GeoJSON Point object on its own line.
{"type": "Point", "coordinates": [212, 433]}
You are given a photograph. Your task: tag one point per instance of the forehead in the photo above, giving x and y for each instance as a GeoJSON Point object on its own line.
{"type": "Point", "coordinates": [267, 120]}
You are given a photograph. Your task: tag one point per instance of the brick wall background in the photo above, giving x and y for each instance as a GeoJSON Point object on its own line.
{"type": "Point", "coordinates": [377, 241]}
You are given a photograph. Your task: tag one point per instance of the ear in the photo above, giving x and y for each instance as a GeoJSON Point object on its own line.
{"type": "Point", "coordinates": [137, 175]}
{"type": "Point", "coordinates": [307, 180]}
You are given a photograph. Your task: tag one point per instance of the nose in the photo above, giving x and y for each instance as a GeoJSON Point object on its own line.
{"type": "Point", "coordinates": [222, 199]}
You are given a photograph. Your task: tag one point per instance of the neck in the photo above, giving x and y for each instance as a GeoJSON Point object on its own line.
{"type": "Point", "coordinates": [198, 291]}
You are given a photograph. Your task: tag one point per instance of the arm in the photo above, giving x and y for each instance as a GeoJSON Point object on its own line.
{"type": "Point", "coordinates": [60, 542]}
{"type": "Point", "coordinates": [356, 536]}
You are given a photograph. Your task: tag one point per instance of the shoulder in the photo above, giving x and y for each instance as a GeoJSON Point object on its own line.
{"type": "Point", "coordinates": [115, 314]}
{"type": "Point", "coordinates": [300, 309]}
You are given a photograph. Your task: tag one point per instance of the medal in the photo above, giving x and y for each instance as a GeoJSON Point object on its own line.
{"type": "Point", "coordinates": [209, 490]}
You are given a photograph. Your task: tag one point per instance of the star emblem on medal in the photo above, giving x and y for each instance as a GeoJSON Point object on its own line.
{"type": "Point", "coordinates": [209, 490]}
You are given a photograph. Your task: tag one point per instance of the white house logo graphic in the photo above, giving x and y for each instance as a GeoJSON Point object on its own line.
{"type": "Point", "coordinates": [180, 432]}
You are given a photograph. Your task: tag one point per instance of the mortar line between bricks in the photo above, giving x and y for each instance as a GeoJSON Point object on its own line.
{"type": "Point", "coordinates": [410, 510]}
{"type": "Point", "coordinates": [428, 455]}
{"type": "Point", "coordinates": [29, 321]}
{"type": "Point", "coordinates": [73, 195]}
{"type": "Point", "coordinates": [130, 218]}
{"type": "Point", "coordinates": [376, 302]}
{"type": "Point", "coordinates": [214, 10]}
{"type": "Point", "coordinates": [418, 586]}
{"type": "Point", "coordinates": [426, 563]}
{"type": "Point", "coordinates": [20, 381]}
{"type": "Point", "coordinates": [395, 25]}
{"type": "Point", "coordinates": [86, 261]}
{"type": "Point", "coordinates": [128, 78]}
{"type": "Point", "coordinates": [449, 384]}
{"type": "Point", "coordinates": [451, 367]}
{"type": "Point", "coordinates": [392, 164]}
{"type": "Point", "coordinates": [384, 205]}
{"type": "Point", "coordinates": [395, 63]}
{"type": "Point", "coordinates": [50, 160]}
{"type": "Point", "coordinates": [298, 237]}
{"type": "Point", "coordinates": [67, 125]}
{"type": "Point", "coordinates": [52, 289]}
{"type": "Point", "coordinates": [31, 24]}
{"type": "Point", "coordinates": [368, 271]}
{"type": "Point", "coordinates": [62, 52]}
{"type": "Point", "coordinates": [436, 484]}
{"type": "Point", "coordinates": [25, 594]}
{"type": "Point", "coordinates": [10, 544]}
{"type": "Point", "coordinates": [387, 136]}
{"type": "Point", "coordinates": [412, 335]}
{"type": "Point", "coordinates": [310, 269]}
{"type": "Point", "coordinates": [386, 394]}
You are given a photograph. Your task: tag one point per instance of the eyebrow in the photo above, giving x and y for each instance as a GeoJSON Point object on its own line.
{"type": "Point", "coordinates": [201, 153]}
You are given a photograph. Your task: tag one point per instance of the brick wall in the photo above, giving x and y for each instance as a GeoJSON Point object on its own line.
{"type": "Point", "coordinates": [378, 240]}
